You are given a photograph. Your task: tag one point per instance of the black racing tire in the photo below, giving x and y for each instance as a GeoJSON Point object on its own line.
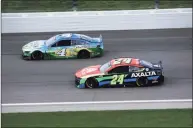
{"type": "Point", "coordinates": [91, 83]}
{"type": "Point", "coordinates": [37, 55]}
{"type": "Point", "coordinates": [83, 54]}
{"type": "Point", "coordinates": [142, 81]}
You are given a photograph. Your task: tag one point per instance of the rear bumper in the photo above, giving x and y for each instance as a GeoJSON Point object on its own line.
{"type": "Point", "coordinates": [161, 79]}
{"type": "Point", "coordinates": [98, 53]}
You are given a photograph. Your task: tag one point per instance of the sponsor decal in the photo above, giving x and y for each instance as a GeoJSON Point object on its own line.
{"type": "Point", "coordinates": [156, 65]}
{"type": "Point", "coordinates": [61, 52]}
{"type": "Point", "coordinates": [147, 69]}
{"type": "Point", "coordinates": [81, 46]}
{"type": "Point", "coordinates": [154, 82]}
{"type": "Point", "coordinates": [66, 35]}
{"type": "Point", "coordinates": [120, 60]}
{"type": "Point", "coordinates": [118, 79]}
{"type": "Point", "coordinates": [88, 70]}
{"type": "Point", "coordinates": [35, 44]}
{"type": "Point", "coordinates": [140, 74]}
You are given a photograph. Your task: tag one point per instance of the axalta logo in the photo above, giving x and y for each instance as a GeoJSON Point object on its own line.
{"type": "Point", "coordinates": [140, 74]}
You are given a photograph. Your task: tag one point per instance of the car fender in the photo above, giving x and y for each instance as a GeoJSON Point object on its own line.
{"type": "Point", "coordinates": [80, 49]}
{"type": "Point", "coordinates": [35, 50]}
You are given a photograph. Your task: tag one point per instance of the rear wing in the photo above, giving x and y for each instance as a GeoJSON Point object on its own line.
{"type": "Point", "coordinates": [101, 41]}
{"type": "Point", "coordinates": [101, 38]}
{"type": "Point", "coordinates": [160, 63]}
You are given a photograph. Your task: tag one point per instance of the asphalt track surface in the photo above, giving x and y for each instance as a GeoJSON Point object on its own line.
{"type": "Point", "coordinates": [53, 80]}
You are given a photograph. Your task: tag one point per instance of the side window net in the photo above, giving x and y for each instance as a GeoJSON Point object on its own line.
{"type": "Point", "coordinates": [62, 43]}
{"type": "Point", "coordinates": [120, 69]}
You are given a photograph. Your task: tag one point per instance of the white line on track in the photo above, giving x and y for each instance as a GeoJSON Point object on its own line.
{"type": "Point", "coordinates": [97, 102]}
{"type": "Point", "coordinates": [96, 105]}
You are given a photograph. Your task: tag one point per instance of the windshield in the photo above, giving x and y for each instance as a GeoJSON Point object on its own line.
{"type": "Point", "coordinates": [145, 63]}
{"type": "Point", "coordinates": [105, 67]}
{"type": "Point", "coordinates": [51, 40]}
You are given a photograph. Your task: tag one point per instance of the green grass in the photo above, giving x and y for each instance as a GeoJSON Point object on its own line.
{"type": "Point", "coordinates": [135, 118]}
{"type": "Point", "coordinates": [82, 5]}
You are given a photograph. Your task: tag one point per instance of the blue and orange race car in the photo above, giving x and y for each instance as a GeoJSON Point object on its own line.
{"type": "Point", "coordinates": [120, 72]}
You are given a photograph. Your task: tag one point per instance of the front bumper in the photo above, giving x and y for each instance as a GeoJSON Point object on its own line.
{"type": "Point", "coordinates": [77, 81]}
{"type": "Point", "coordinates": [25, 56]}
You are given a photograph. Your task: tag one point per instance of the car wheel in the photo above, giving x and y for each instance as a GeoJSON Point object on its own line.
{"type": "Point", "coordinates": [142, 81]}
{"type": "Point", "coordinates": [91, 83]}
{"type": "Point", "coordinates": [83, 54]}
{"type": "Point", "coordinates": [37, 55]}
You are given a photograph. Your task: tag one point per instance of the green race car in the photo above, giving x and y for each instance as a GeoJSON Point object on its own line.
{"type": "Point", "coordinates": [64, 46]}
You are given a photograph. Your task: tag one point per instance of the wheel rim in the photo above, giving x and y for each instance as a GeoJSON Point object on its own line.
{"type": "Point", "coordinates": [84, 55]}
{"type": "Point", "coordinates": [141, 81]}
{"type": "Point", "coordinates": [89, 84]}
{"type": "Point", "coordinates": [37, 56]}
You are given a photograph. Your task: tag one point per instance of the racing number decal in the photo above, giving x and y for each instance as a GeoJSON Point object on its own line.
{"type": "Point", "coordinates": [61, 52]}
{"type": "Point", "coordinates": [117, 79]}
{"type": "Point", "coordinates": [126, 60]}
{"type": "Point", "coordinates": [114, 80]}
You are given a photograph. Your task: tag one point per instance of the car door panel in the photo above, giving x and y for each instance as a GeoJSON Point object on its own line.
{"type": "Point", "coordinates": [60, 51]}
{"type": "Point", "coordinates": [114, 78]}
{"type": "Point", "coordinates": [79, 45]}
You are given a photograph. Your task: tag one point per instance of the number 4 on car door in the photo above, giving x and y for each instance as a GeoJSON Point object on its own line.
{"type": "Point", "coordinates": [62, 45]}
{"type": "Point", "coordinates": [61, 52]}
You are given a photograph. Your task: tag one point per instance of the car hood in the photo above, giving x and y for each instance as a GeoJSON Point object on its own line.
{"type": "Point", "coordinates": [34, 44]}
{"type": "Point", "coordinates": [88, 71]}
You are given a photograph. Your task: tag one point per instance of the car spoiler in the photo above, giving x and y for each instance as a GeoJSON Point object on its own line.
{"type": "Point", "coordinates": [160, 64]}
{"type": "Point", "coordinates": [101, 38]}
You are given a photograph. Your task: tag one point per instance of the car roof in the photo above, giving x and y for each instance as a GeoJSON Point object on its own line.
{"type": "Point", "coordinates": [125, 61]}
{"type": "Point", "coordinates": [73, 36]}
